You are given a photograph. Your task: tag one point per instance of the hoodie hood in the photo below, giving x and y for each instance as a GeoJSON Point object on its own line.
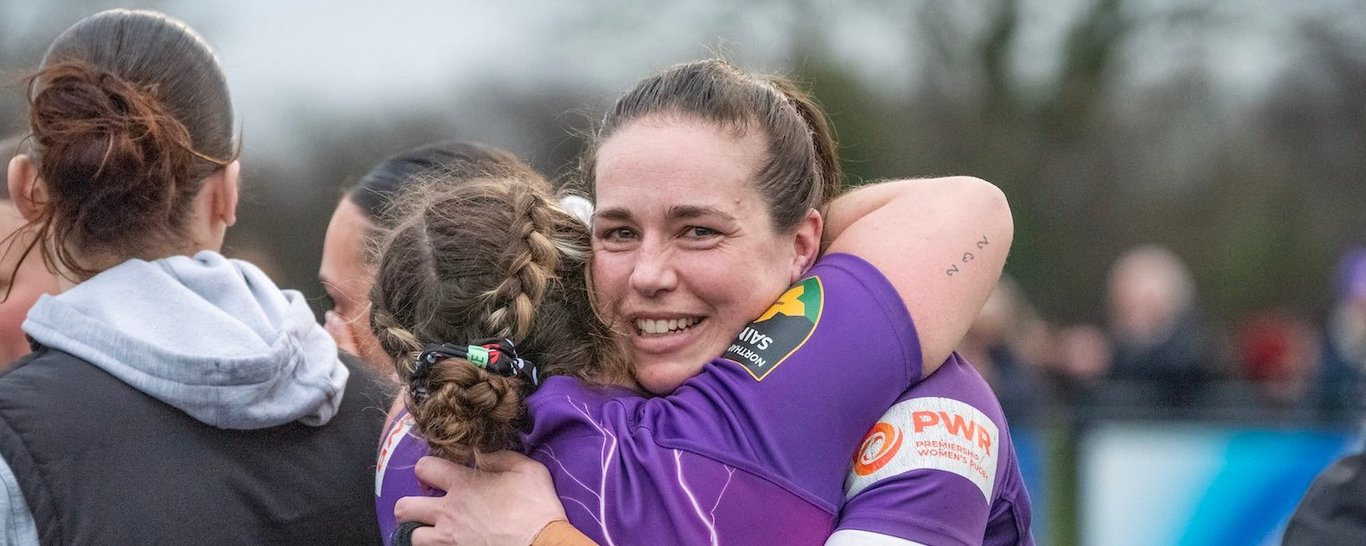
{"type": "Point", "coordinates": [210, 336]}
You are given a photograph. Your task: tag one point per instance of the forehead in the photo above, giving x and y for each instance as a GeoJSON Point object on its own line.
{"type": "Point", "coordinates": [343, 244]}
{"type": "Point", "coordinates": [672, 160]}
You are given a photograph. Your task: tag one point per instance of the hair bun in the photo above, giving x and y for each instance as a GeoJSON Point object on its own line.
{"type": "Point", "coordinates": [108, 145]}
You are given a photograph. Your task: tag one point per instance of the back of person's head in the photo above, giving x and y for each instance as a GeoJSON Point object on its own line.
{"type": "Point", "coordinates": [457, 159]}
{"type": "Point", "coordinates": [489, 258]}
{"type": "Point", "coordinates": [801, 169]}
{"type": "Point", "coordinates": [362, 217]}
{"type": "Point", "coordinates": [129, 114]}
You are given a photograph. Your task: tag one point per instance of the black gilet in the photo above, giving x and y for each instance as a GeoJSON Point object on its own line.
{"type": "Point", "coordinates": [100, 462]}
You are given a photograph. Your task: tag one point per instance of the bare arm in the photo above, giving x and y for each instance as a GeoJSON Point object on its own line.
{"type": "Point", "coordinates": [941, 242]}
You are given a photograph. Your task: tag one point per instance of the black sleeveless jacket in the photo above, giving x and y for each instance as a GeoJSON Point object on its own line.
{"type": "Point", "coordinates": [100, 462]}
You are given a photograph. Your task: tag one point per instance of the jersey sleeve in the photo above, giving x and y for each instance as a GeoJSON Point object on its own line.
{"type": "Point", "coordinates": [798, 387]}
{"type": "Point", "coordinates": [934, 465]}
{"type": "Point", "coordinates": [922, 506]}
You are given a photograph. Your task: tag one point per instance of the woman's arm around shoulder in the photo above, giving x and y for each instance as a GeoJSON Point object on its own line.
{"type": "Point", "coordinates": [942, 244]}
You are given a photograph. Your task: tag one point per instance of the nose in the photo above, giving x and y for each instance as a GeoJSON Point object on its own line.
{"type": "Point", "coordinates": [653, 273]}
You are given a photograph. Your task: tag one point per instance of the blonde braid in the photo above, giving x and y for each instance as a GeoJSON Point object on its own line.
{"type": "Point", "coordinates": [530, 270]}
{"type": "Point", "coordinates": [491, 257]}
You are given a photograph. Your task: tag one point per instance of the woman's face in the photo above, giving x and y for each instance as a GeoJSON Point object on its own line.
{"type": "Point", "coordinates": [684, 253]}
{"type": "Point", "coordinates": [347, 281]}
{"type": "Point", "coordinates": [30, 281]}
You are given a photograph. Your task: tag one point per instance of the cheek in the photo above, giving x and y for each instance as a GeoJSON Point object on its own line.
{"type": "Point", "coordinates": [610, 275]}
{"type": "Point", "coordinates": [740, 289]}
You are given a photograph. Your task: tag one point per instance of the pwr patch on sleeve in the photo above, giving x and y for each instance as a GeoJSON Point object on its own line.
{"type": "Point", "coordinates": [927, 433]}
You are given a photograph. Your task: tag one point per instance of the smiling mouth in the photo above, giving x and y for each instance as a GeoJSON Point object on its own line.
{"type": "Point", "coordinates": [647, 327]}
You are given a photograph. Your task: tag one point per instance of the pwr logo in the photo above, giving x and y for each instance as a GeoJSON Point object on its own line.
{"type": "Point", "coordinates": [877, 449]}
{"type": "Point", "coordinates": [956, 424]}
{"type": "Point", "coordinates": [928, 433]}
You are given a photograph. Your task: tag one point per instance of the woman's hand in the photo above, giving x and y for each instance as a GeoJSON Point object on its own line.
{"type": "Point", "coordinates": [507, 500]}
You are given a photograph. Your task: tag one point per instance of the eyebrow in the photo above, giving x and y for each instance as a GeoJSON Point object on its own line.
{"type": "Point", "coordinates": [675, 212]}
{"type": "Point", "coordinates": [693, 211]}
{"type": "Point", "coordinates": [616, 213]}
{"type": "Point", "coordinates": [327, 284]}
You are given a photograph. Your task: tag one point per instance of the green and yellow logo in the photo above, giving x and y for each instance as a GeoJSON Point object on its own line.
{"type": "Point", "coordinates": [781, 330]}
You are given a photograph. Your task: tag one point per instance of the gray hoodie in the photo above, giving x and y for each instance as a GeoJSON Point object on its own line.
{"type": "Point", "coordinates": [210, 336]}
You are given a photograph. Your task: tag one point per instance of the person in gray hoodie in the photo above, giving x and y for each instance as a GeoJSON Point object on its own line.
{"type": "Point", "coordinates": [173, 395]}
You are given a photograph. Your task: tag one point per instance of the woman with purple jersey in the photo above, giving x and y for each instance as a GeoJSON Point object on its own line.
{"type": "Point", "coordinates": [699, 227]}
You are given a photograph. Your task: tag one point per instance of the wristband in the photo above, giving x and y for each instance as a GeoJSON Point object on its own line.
{"type": "Point", "coordinates": [561, 533]}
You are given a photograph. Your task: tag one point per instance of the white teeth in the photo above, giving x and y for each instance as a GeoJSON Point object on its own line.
{"type": "Point", "coordinates": [648, 326]}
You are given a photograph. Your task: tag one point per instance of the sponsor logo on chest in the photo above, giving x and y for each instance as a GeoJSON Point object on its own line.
{"type": "Point", "coordinates": [780, 331]}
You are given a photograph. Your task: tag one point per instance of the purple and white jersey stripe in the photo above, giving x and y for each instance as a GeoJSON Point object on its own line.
{"type": "Point", "coordinates": [754, 450]}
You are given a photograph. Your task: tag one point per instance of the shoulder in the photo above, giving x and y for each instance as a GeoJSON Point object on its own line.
{"type": "Point", "coordinates": [951, 423]}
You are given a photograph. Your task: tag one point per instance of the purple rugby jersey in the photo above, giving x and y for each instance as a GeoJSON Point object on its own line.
{"type": "Point", "coordinates": [753, 450]}
{"type": "Point", "coordinates": [938, 468]}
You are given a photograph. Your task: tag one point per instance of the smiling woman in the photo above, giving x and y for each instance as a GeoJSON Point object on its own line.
{"type": "Point", "coordinates": [712, 188]}
{"type": "Point", "coordinates": [685, 254]}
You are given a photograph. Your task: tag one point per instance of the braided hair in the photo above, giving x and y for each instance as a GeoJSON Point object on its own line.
{"type": "Point", "coordinates": [494, 257]}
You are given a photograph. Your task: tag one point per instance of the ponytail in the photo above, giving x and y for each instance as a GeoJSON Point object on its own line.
{"type": "Point", "coordinates": [823, 137]}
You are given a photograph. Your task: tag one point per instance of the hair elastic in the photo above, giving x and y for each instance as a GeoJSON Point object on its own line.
{"type": "Point", "coordinates": [496, 355]}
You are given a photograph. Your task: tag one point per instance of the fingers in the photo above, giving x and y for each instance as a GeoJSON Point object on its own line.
{"type": "Point", "coordinates": [424, 510]}
{"type": "Point", "coordinates": [442, 474]}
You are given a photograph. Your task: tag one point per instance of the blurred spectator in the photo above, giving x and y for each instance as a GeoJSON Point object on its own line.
{"type": "Point", "coordinates": [1344, 347]}
{"type": "Point", "coordinates": [1007, 343]}
{"type": "Point", "coordinates": [1279, 353]}
{"type": "Point", "coordinates": [20, 284]}
{"type": "Point", "coordinates": [1160, 343]}
{"type": "Point", "coordinates": [1082, 354]}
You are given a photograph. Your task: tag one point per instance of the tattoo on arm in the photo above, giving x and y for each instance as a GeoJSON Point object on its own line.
{"type": "Point", "coordinates": [967, 257]}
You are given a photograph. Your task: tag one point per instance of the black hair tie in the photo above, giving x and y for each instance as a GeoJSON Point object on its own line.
{"type": "Point", "coordinates": [497, 355]}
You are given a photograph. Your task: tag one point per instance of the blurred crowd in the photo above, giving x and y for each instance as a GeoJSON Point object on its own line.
{"type": "Point", "coordinates": [1160, 354]}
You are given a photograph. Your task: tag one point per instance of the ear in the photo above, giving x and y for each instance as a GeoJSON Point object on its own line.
{"type": "Point", "coordinates": [24, 188]}
{"type": "Point", "coordinates": [806, 244]}
{"type": "Point", "coordinates": [224, 187]}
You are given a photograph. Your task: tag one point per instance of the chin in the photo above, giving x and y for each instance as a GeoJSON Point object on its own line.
{"type": "Point", "coordinates": [663, 379]}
